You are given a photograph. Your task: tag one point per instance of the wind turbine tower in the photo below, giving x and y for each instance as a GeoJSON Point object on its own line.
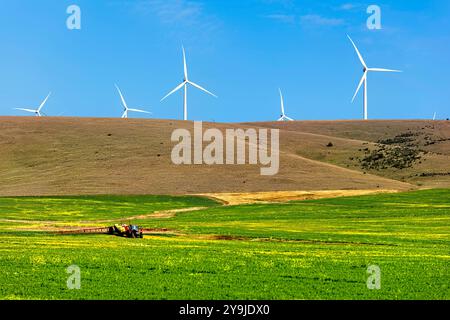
{"type": "Point", "coordinates": [37, 111]}
{"type": "Point", "coordinates": [284, 117]}
{"type": "Point", "coordinates": [125, 106]}
{"type": "Point", "coordinates": [184, 85]}
{"type": "Point", "coordinates": [366, 71]}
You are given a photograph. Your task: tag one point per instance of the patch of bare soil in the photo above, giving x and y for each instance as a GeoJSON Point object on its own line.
{"type": "Point", "coordinates": [284, 196]}
{"type": "Point", "coordinates": [164, 214]}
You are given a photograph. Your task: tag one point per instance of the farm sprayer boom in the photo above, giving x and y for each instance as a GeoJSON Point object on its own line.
{"type": "Point", "coordinates": [129, 231]}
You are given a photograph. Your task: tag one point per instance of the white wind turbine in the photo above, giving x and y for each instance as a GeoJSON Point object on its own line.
{"type": "Point", "coordinates": [125, 106]}
{"type": "Point", "coordinates": [364, 78]}
{"type": "Point", "coordinates": [184, 84]}
{"type": "Point", "coordinates": [434, 116]}
{"type": "Point", "coordinates": [37, 111]}
{"type": "Point", "coordinates": [283, 115]}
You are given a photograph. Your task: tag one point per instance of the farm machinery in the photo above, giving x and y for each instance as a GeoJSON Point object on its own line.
{"type": "Point", "coordinates": [129, 231]}
{"type": "Point", "coordinates": [121, 230]}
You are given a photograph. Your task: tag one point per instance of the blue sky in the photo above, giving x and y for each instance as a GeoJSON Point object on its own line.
{"type": "Point", "coordinates": [240, 50]}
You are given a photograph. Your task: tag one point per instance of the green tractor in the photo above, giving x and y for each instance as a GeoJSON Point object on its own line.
{"type": "Point", "coordinates": [129, 231]}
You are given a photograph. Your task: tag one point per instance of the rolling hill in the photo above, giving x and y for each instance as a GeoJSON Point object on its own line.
{"type": "Point", "coordinates": [70, 156]}
{"type": "Point", "coordinates": [414, 151]}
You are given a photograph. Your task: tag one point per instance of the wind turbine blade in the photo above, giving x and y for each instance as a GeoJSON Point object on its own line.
{"type": "Point", "coordinates": [174, 90]}
{"type": "Point", "coordinates": [137, 110]}
{"type": "Point", "coordinates": [185, 64]}
{"type": "Point", "coordinates": [360, 84]}
{"type": "Point", "coordinates": [357, 51]}
{"type": "Point", "coordinates": [282, 102]}
{"type": "Point", "coordinates": [27, 110]}
{"type": "Point", "coordinates": [44, 102]}
{"type": "Point", "coordinates": [203, 89]}
{"type": "Point", "coordinates": [125, 115]}
{"type": "Point", "coordinates": [383, 70]}
{"type": "Point", "coordinates": [121, 97]}
{"type": "Point", "coordinates": [289, 119]}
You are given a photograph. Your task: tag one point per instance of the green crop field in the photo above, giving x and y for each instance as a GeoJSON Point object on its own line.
{"type": "Point", "coordinates": [317, 249]}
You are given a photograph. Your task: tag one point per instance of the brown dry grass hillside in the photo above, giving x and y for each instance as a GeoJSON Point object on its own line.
{"type": "Point", "coordinates": [412, 151]}
{"type": "Point", "coordinates": [56, 156]}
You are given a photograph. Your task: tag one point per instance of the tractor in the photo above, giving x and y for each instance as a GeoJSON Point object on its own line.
{"type": "Point", "coordinates": [129, 231]}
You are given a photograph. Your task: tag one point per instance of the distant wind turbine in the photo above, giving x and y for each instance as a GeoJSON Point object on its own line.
{"type": "Point", "coordinates": [37, 111]}
{"type": "Point", "coordinates": [125, 106]}
{"type": "Point", "coordinates": [283, 115]}
{"type": "Point", "coordinates": [184, 84]}
{"type": "Point", "coordinates": [434, 116]}
{"type": "Point", "coordinates": [366, 70]}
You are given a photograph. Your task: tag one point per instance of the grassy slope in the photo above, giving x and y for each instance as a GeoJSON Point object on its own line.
{"type": "Point", "coordinates": [378, 219]}
{"type": "Point", "coordinates": [91, 208]}
{"type": "Point", "coordinates": [300, 250]}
